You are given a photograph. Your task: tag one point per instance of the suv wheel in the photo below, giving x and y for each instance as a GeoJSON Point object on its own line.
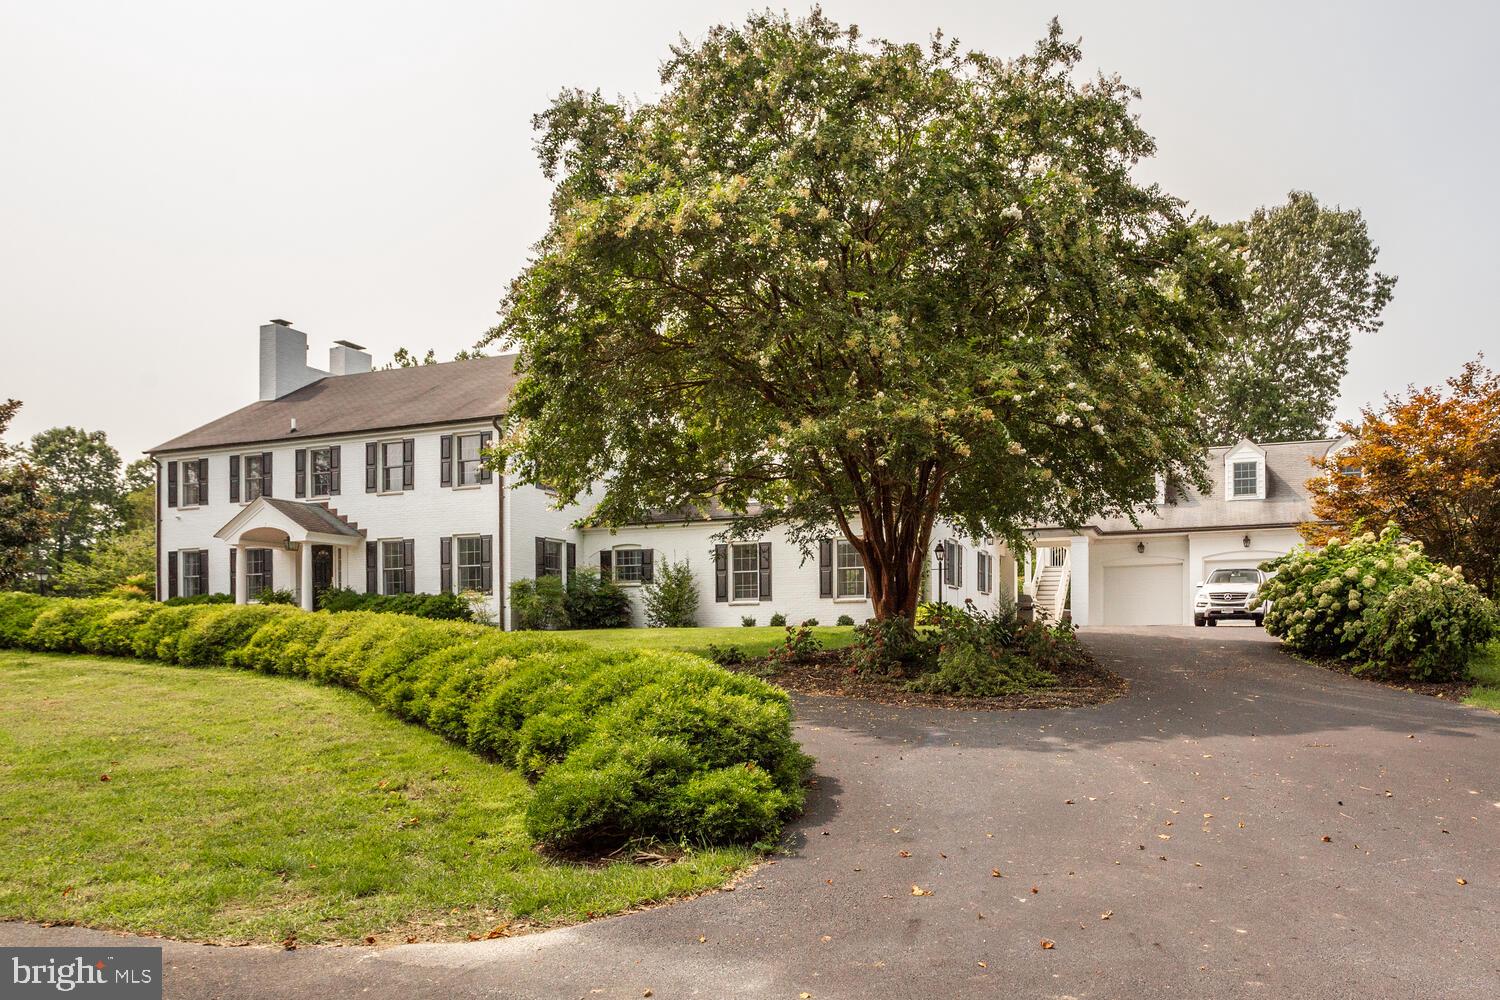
{"type": "Point", "coordinates": [1260, 621]}
{"type": "Point", "coordinates": [1198, 620]}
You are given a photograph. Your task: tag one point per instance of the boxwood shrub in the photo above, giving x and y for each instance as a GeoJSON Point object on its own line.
{"type": "Point", "coordinates": [1379, 603]}
{"type": "Point", "coordinates": [622, 744]}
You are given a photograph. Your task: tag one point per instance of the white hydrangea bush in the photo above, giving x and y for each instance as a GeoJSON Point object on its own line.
{"type": "Point", "coordinates": [1380, 602]}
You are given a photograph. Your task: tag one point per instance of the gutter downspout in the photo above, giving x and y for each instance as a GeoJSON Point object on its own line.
{"type": "Point", "coordinates": [157, 575]}
{"type": "Point", "coordinates": [503, 577]}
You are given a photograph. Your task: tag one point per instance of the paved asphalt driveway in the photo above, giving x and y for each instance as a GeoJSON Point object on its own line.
{"type": "Point", "coordinates": [1252, 827]}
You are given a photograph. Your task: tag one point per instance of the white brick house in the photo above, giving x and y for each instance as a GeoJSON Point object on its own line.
{"type": "Point", "coordinates": [371, 480]}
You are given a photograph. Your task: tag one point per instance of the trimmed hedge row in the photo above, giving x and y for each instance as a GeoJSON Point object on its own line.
{"type": "Point", "coordinates": [622, 744]}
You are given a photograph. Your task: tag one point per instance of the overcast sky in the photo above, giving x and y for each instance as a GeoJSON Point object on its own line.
{"type": "Point", "coordinates": [174, 174]}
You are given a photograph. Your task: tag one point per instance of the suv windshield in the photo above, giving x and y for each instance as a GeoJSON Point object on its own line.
{"type": "Point", "coordinates": [1235, 576]}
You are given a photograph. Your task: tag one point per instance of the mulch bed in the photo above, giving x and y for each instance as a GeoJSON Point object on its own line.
{"type": "Point", "coordinates": [1455, 691]}
{"type": "Point", "coordinates": [826, 674]}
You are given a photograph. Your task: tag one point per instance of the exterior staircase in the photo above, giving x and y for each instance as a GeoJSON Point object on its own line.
{"type": "Point", "coordinates": [1051, 592]}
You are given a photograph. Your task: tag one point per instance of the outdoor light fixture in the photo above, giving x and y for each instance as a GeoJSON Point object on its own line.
{"type": "Point", "coordinates": [941, 551]}
{"type": "Point", "coordinates": [1247, 541]}
{"type": "Point", "coordinates": [1140, 546]}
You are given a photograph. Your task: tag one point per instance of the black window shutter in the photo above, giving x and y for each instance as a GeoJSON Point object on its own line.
{"type": "Point", "coordinates": [572, 559]}
{"type": "Point", "coordinates": [486, 475]}
{"type": "Point", "coordinates": [765, 571]}
{"type": "Point", "coordinates": [171, 574]}
{"type": "Point", "coordinates": [487, 562]}
{"type": "Point", "coordinates": [825, 567]}
{"type": "Point", "coordinates": [301, 472]}
{"type": "Point", "coordinates": [270, 583]}
{"type": "Point", "coordinates": [721, 572]}
{"type": "Point", "coordinates": [446, 445]}
{"type": "Point", "coordinates": [203, 583]}
{"type": "Point", "coordinates": [203, 481]}
{"type": "Point", "coordinates": [408, 457]}
{"type": "Point", "coordinates": [445, 557]}
{"type": "Point", "coordinates": [234, 479]}
{"type": "Point", "coordinates": [333, 471]}
{"type": "Point", "coordinates": [541, 558]}
{"type": "Point", "coordinates": [172, 485]}
{"type": "Point", "coordinates": [370, 450]}
{"type": "Point", "coordinates": [232, 551]}
{"type": "Point", "coordinates": [409, 550]}
{"type": "Point", "coordinates": [265, 474]}
{"type": "Point", "coordinates": [606, 563]}
{"type": "Point", "coordinates": [372, 568]}
{"type": "Point", "coordinates": [648, 565]}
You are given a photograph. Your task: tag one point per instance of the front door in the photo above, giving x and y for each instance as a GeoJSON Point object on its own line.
{"type": "Point", "coordinates": [322, 570]}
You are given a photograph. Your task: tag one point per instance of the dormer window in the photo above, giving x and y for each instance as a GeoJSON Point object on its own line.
{"type": "Point", "coordinates": [1245, 472]}
{"type": "Point", "coordinates": [1246, 479]}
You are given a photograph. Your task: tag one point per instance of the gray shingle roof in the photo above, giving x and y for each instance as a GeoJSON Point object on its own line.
{"type": "Point", "coordinates": [1288, 468]}
{"type": "Point", "coordinates": [372, 401]}
{"type": "Point", "coordinates": [313, 517]}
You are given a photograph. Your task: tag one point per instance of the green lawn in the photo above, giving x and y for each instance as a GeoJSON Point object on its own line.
{"type": "Point", "coordinates": [754, 641]}
{"type": "Point", "coordinates": [241, 807]}
{"type": "Point", "coordinates": [1486, 673]}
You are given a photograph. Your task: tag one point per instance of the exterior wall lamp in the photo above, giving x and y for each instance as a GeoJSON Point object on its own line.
{"type": "Point", "coordinates": [941, 552]}
{"type": "Point", "coordinates": [1247, 541]}
{"type": "Point", "coordinates": [1140, 547]}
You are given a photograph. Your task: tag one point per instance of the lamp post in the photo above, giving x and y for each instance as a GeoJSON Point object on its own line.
{"type": "Point", "coordinates": [941, 551]}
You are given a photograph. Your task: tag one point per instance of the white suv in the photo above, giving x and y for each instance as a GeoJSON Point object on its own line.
{"type": "Point", "coordinates": [1228, 593]}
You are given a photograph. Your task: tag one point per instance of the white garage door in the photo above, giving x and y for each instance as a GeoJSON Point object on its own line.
{"type": "Point", "coordinates": [1143, 595]}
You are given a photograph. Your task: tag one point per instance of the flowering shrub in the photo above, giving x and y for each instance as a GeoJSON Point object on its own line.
{"type": "Point", "coordinates": [1379, 602]}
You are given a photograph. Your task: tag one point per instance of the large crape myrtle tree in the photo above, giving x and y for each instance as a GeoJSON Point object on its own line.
{"type": "Point", "coordinates": [851, 287]}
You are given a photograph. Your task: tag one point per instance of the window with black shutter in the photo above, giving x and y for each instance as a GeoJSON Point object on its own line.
{"type": "Point", "coordinates": [172, 487]}
{"type": "Point", "coordinates": [445, 564]}
{"type": "Point", "coordinates": [300, 461]}
{"type": "Point", "coordinates": [333, 471]}
{"type": "Point", "coordinates": [721, 572]}
{"type": "Point", "coordinates": [372, 568]}
{"type": "Point", "coordinates": [825, 567]}
{"type": "Point", "coordinates": [234, 479]}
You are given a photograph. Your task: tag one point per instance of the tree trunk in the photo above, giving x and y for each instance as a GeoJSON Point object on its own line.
{"type": "Point", "coordinates": [893, 544]}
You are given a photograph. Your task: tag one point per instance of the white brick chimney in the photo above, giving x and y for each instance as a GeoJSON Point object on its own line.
{"type": "Point", "coordinates": [283, 360]}
{"type": "Point", "coordinates": [345, 358]}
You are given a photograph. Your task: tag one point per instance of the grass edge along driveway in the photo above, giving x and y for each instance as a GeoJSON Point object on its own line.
{"type": "Point", "coordinates": [230, 806]}
{"type": "Point", "coordinates": [1485, 670]}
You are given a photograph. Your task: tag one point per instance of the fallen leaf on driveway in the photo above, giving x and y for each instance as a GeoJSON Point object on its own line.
{"type": "Point", "coordinates": [1327, 840]}
{"type": "Point", "coordinates": [1048, 945]}
{"type": "Point", "coordinates": [1106, 914]}
{"type": "Point", "coordinates": [905, 854]}
{"type": "Point", "coordinates": [984, 965]}
{"type": "Point", "coordinates": [995, 872]}
{"type": "Point", "coordinates": [1463, 881]}
{"type": "Point", "coordinates": [917, 890]}
{"type": "Point", "coordinates": [1035, 890]}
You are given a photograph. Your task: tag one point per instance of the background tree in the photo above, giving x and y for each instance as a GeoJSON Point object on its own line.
{"type": "Point", "coordinates": [1314, 286]}
{"type": "Point", "coordinates": [87, 494]}
{"type": "Point", "coordinates": [1430, 462]}
{"type": "Point", "coordinates": [852, 286]}
{"type": "Point", "coordinates": [122, 563]}
{"type": "Point", "coordinates": [24, 516]}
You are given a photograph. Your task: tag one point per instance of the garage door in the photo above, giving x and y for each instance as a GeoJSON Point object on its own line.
{"type": "Point", "coordinates": [1143, 595]}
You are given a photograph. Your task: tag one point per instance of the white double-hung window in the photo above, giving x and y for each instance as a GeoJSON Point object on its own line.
{"type": "Point", "coordinates": [849, 571]}
{"type": "Point", "coordinates": [745, 572]}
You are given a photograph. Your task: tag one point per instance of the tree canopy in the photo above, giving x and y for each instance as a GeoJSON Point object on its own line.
{"type": "Point", "coordinates": [1314, 285]}
{"type": "Point", "coordinates": [24, 517]}
{"type": "Point", "coordinates": [850, 286]}
{"type": "Point", "coordinates": [1428, 461]}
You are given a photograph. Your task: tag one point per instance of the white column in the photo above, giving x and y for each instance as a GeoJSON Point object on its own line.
{"type": "Point", "coordinates": [241, 575]}
{"type": "Point", "coordinates": [1078, 559]}
{"type": "Point", "coordinates": [305, 577]}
